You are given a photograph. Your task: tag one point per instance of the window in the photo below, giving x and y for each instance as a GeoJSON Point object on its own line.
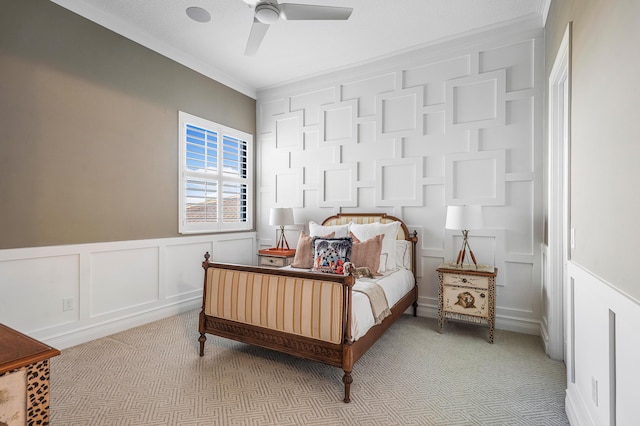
{"type": "Point", "coordinates": [216, 177]}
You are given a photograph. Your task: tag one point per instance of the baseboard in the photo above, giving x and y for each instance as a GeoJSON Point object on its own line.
{"type": "Point", "coordinates": [576, 411]}
{"type": "Point", "coordinates": [517, 325]}
{"type": "Point", "coordinates": [92, 332]}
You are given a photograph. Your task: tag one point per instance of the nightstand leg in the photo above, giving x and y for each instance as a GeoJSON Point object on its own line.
{"type": "Point", "coordinates": [440, 303]}
{"type": "Point", "coordinates": [491, 327]}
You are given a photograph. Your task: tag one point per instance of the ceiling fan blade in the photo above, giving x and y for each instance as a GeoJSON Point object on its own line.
{"type": "Point", "coordinates": [258, 30]}
{"type": "Point", "coordinates": [294, 11]}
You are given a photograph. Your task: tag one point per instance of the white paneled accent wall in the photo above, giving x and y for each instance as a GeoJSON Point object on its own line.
{"type": "Point", "coordinates": [66, 295]}
{"type": "Point", "coordinates": [459, 122]}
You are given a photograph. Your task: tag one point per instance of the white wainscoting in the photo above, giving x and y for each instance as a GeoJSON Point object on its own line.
{"type": "Point", "coordinates": [67, 295]}
{"type": "Point", "coordinates": [603, 347]}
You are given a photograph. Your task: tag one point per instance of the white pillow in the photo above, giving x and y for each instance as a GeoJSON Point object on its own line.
{"type": "Point", "coordinates": [390, 230]}
{"type": "Point", "coordinates": [341, 231]}
{"type": "Point", "coordinates": [403, 259]}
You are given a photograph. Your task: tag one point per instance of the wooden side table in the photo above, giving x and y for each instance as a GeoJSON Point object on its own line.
{"type": "Point", "coordinates": [467, 294]}
{"type": "Point", "coordinates": [276, 258]}
{"type": "Point", "coordinates": [24, 378]}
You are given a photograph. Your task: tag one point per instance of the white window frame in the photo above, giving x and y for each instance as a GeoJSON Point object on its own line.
{"type": "Point", "coordinates": [217, 177]}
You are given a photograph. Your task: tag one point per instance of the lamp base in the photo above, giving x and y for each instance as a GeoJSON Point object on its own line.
{"type": "Point", "coordinates": [463, 251]}
{"type": "Point", "coordinates": [282, 240]}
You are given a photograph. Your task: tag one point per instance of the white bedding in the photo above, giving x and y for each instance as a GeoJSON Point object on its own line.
{"type": "Point", "coordinates": [395, 285]}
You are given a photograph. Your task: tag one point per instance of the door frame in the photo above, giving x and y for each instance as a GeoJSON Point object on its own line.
{"type": "Point", "coordinates": [559, 212]}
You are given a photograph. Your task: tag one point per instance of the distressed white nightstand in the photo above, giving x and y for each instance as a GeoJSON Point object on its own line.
{"type": "Point", "coordinates": [276, 258]}
{"type": "Point", "coordinates": [467, 294]}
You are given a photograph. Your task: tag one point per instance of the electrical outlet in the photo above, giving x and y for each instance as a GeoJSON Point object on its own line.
{"type": "Point", "coordinates": [594, 390]}
{"type": "Point", "coordinates": [67, 304]}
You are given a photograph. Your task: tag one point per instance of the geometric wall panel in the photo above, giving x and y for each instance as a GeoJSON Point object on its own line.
{"type": "Point", "coordinates": [288, 188]}
{"type": "Point", "coordinates": [475, 178]}
{"type": "Point", "coordinates": [399, 113]}
{"type": "Point", "coordinates": [432, 77]}
{"type": "Point", "coordinates": [338, 123]}
{"type": "Point", "coordinates": [476, 101]}
{"type": "Point", "coordinates": [517, 59]}
{"type": "Point", "coordinates": [398, 182]}
{"type": "Point", "coordinates": [309, 103]}
{"type": "Point", "coordinates": [413, 134]}
{"type": "Point", "coordinates": [364, 92]}
{"type": "Point", "coordinates": [266, 112]}
{"type": "Point", "coordinates": [338, 185]}
{"type": "Point", "coordinates": [289, 130]}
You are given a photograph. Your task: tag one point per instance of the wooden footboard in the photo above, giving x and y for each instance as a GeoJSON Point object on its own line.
{"type": "Point", "coordinates": [303, 314]}
{"type": "Point", "coordinates": [300, 313]}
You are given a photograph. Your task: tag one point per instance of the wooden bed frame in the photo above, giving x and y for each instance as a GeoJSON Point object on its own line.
{"type": "Point", "coordinates": [343, 354]}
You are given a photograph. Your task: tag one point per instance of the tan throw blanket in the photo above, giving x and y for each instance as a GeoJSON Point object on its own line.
{"type": "Point", "coordinates": [375, 293]}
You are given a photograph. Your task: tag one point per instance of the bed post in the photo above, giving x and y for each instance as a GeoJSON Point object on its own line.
{"type": "Point", "coordinates": [203, 338]}
{"type": "Point", "coordinates": [347, 353]}
{"type": "Point", "coordinates": [413, 238]}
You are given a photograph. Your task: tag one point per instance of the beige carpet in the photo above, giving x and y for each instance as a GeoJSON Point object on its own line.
{"type": "Point", "coordinates": [152, 375]}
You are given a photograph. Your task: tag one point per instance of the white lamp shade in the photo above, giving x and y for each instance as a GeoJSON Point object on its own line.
{"type": "Point", "coordinates": [281, 216]}
{"type": "Point", "coordinates": [464, 217]}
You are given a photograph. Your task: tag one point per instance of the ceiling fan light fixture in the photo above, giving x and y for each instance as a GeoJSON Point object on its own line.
{"type": "Point", "coordinates": [267, 13]}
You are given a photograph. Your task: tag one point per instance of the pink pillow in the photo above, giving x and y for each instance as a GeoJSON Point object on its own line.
{"type": "Point", "coordinates": [304, 251]}
{"type": "Point", "coordinates": [367, 253]}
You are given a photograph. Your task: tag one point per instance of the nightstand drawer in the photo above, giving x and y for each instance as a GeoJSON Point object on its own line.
{"type": "Point", "coordinates": [466, 301]}
{"type": "Point", "coordinates": [464, 280]}
{"type": "Point", "coordinates": [275, 261]}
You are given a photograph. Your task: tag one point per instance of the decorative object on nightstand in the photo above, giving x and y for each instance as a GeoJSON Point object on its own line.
{"type": "Point", "coordinates": [280, 255]}
{"type": "Point", "coordinates": [464, 218]}
{"type": "Point", "coordinates": [281, 216]}
{"type": "Point", "coordinates": [467, 294]}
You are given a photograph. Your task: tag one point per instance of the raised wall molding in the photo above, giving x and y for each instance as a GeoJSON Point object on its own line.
{"type": "Point", "coordinates": [457, 123]}
{"type": "Point", "coordinates": [113, 286]}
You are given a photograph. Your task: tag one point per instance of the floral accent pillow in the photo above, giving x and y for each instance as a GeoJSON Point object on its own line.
{"type": "Point", "coordinates": [304, 251]}
{"type": "Point", "coordinates": [330, 254]}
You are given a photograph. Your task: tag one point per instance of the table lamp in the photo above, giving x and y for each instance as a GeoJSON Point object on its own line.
{"type": "Point", "coordinates": [464, 218]}
{"type": "Point", "coordinates": [281, 216]}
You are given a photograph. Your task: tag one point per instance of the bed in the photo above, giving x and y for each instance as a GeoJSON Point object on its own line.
{"type": "Point", "coordinates": [326, 317]}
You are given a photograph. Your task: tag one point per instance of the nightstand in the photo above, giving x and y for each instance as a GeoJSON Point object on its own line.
{"type": "Point", "coordinates": [276, 258]}
{"type": "Point", "coordinates": [467, 294]}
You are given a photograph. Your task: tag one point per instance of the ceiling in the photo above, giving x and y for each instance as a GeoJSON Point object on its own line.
{"type": "Point", "coordinates": [294, 50]}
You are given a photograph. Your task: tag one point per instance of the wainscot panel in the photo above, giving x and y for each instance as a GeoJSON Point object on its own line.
{"type": "Point", "coordinates": [603, 343]}
{"type": "Point", "coordinates": [67, 295]}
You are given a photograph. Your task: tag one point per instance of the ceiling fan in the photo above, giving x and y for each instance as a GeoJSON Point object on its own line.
{"type": "Point", "coordinates": [269, 11]}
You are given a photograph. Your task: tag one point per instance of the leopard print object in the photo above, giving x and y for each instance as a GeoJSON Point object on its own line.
{"type": "Point", "coordinates": [38, 393]}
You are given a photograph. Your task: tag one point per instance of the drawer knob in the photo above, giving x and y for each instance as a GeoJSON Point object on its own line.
{"type": "Point", "coordinates": [464, 280]}
{"type": "Point", "coordinates": [482, 295]}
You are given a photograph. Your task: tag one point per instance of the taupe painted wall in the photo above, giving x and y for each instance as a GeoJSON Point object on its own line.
{"type": "Point", "coordinates": [89, 129]}
{"type": "Point", "coordinates": [605, 127]}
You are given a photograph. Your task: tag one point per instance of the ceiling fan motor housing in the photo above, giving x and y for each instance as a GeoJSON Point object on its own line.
{"type": "Point", "coordinates": [267, 13]}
